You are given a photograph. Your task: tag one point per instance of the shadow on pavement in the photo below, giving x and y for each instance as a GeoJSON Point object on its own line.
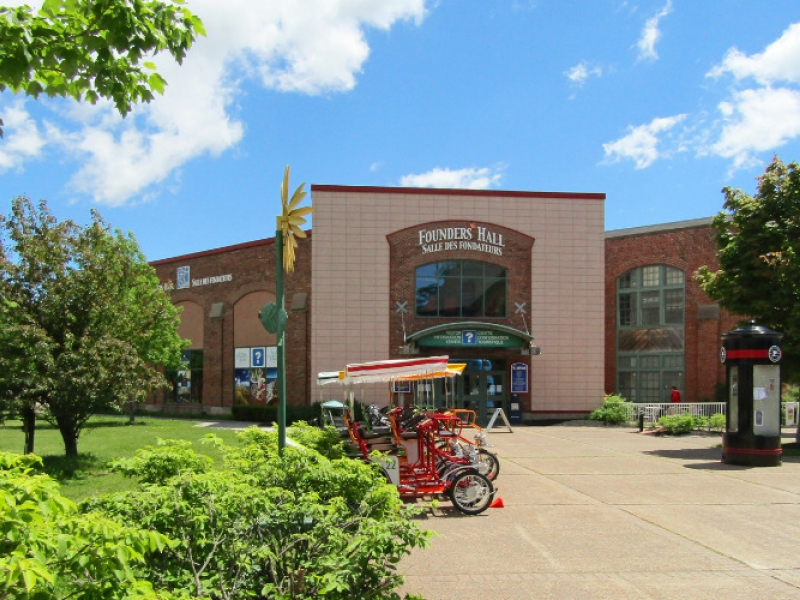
{"type": "Point", "coordinates": [687, 453]}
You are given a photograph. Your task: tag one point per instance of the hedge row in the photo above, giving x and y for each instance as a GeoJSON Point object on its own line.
{"type": "Point", "coordinates": [260, 413]}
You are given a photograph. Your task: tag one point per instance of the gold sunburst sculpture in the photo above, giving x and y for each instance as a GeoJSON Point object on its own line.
{"type": "Point", "coordinates": [291, 219]}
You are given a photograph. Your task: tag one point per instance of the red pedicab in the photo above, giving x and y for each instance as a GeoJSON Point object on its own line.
{"type": "Point", "coordinates": [452, 446]}
{"type": "Point", "coordinates": [416, 463]}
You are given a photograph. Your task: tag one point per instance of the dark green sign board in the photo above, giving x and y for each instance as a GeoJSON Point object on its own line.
{"type": "Point", "coordinates": [471, 338]}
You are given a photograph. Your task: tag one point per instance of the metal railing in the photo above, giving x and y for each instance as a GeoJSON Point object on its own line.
{"type": "Point", "coordinates": [653, 410]}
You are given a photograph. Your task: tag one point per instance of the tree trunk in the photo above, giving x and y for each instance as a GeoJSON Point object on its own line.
{"type": "Point", "coordinates": [29, 427]}
{"type": "Point", "coordinates": [69, 434]}
{"type": "Point", "coordinates": [70, 444]}
{"type": "Point", "coordinates": [131, 412]}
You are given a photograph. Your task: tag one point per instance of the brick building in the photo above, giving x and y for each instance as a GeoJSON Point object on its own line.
{"type": "Point", "coordinates": [230, 352]}
{"type": "Point", "coordinates": [488, 278]}
{"type": "Point", "coordinates": [661, 329]}
{"type": "Point", "coordinates": [485, 277]}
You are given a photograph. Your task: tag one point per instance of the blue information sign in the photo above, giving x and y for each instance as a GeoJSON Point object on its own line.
{"type": "Point", "coordinates": [519, 378]}
{"type": "Point", "coordinates": [258, 357]}
{"type": "Point", "coordinates": [402, 387]}
{"type": "Point", "coordinates": [469, 337]}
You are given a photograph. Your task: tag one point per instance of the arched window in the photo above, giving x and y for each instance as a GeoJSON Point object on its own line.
{"type": "Point", "coordinates": [650, 332]}
{"type": "Point", "coordinates": [460, 288]}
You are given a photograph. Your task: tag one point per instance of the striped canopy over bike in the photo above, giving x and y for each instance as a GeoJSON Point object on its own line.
{"type": "Point", "coordinates": [391, 370]}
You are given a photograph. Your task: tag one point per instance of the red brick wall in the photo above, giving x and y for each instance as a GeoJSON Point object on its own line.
{"type": "Point", "coordinates": [686, 249]}
{"type": "Point", "coordinates": [252, 267]}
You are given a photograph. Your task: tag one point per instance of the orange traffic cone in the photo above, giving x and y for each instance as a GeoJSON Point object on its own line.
{"type": "Point", "coordinates": [497, 503]}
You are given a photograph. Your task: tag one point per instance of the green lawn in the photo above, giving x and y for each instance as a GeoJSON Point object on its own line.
{"type": "Point", "coordinates": [104, 439]}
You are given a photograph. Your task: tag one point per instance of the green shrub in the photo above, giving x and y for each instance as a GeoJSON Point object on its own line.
{"type": "Point", "coordinates": [255, 413]}
{"type": "Point", "coordinates": [685, 423]}
{"type": "Point", "coordinates": [717, 422]}
{"type": "Point", "coordinates": [157, 464]}
{"type": "Point", "coordinates": [295, 526]}
{"type": "Point", "coordinates": [677, 424]}
{"type": "Point", "coordinates": [50, 549]}
{"type": "Point", "coordinates": [613, 412]}
{"type": "Point", "coordinates": [268, 413]}
{"type": "Point", "coordinates": [328, 441]}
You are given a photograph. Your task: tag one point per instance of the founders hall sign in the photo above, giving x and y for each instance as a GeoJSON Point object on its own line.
{"type": "Point", "coordinates": [474, 237]}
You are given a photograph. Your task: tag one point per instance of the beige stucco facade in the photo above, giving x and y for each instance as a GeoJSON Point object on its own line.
{"type": "Point", "coordinates": [352, 305]}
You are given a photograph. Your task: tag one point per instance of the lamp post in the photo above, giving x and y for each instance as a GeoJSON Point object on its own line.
{"type": "Point", "coordinates": [280, 334]}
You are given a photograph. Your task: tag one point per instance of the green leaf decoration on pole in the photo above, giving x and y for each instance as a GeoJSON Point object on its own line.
{"type": "Point", "coordinates": [272, 317]}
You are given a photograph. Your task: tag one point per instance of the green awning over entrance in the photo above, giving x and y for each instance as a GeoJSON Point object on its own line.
{"type": "Point", "coordinates": [471, 335]}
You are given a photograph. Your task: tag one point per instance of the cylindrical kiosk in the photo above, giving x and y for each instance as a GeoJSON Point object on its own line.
{"type": "Point", "coordinates": [752, 357]}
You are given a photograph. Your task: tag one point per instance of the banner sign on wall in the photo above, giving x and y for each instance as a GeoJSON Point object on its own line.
{"type": "Point", "coordinates": [481, 338]}
{"type": "Point", "coordinates": [184, 278]}
{"type": "Point", "coordinates": [272, 357]}
{"type": "Point", "coordinates": [241, 358]}
{"type": "Point", "coordinates": [519, 378]}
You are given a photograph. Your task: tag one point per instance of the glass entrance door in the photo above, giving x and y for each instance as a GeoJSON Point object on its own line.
{"type": "Point", "coordinates": [481, 388]}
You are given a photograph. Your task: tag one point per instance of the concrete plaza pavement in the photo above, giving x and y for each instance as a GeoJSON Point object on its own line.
{"type": "Point", "coordinates": [596, 512]}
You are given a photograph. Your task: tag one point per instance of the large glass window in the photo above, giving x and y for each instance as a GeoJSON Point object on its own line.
{"type": "Point", "coordinates": [651, 296]}
{"type": "Point", "coordinates": [650, 332]}
{"type": "Point", "coordinates": [460, 288]}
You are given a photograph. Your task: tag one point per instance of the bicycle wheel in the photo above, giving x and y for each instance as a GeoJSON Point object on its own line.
{"type": "Point", "coordinates": [488, 464]}
{"type": "Point", "coordinates": [471, 492]}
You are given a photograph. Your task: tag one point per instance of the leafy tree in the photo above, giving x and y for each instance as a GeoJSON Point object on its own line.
{"type": "Point", "coordinates": [91, 49]}
{"type": "Point", "coordinates": [268, 526]}
{"type": "Point", "coordinates": [50, 549]}
{"type": "Point", "coordinates": [758, 245]}
{"type": "Point", "coordinates": [87, 323]}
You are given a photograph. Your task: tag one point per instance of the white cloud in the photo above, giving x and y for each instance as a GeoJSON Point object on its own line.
{"type": "Point", "coordinates": [757, 120]}
{"type": "Point", "coordinates": [641, 143]}
{"type": "Point", "coordinates": [778, 62]}
{"type": "Point", "coordinates": [468, 179]}
{"type": "Point", "coordinates": [308, 47]}
{"type": "Point", "coordinates": [21, 140]}
{"type": "Point", "coordinates": [758, 115]}
{"type": "Point", "coordinates": [765, 116]}
{"type": "Point", "coordinates": [582, 71]}
{"type": "Point", "coordinates": [651, 34]}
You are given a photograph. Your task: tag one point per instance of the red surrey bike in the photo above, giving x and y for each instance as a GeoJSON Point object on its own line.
{"type": "Point", "coordinates": [423, 453]}
{"type": "Point", "coordinates": [420, 466]}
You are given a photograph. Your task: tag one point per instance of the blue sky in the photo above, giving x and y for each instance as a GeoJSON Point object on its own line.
{"type": "Point", "coordinates": [659, 104]}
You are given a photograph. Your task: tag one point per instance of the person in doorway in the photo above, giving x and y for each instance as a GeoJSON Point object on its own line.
{"type": "Point", "coordinates": [676, 395]}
